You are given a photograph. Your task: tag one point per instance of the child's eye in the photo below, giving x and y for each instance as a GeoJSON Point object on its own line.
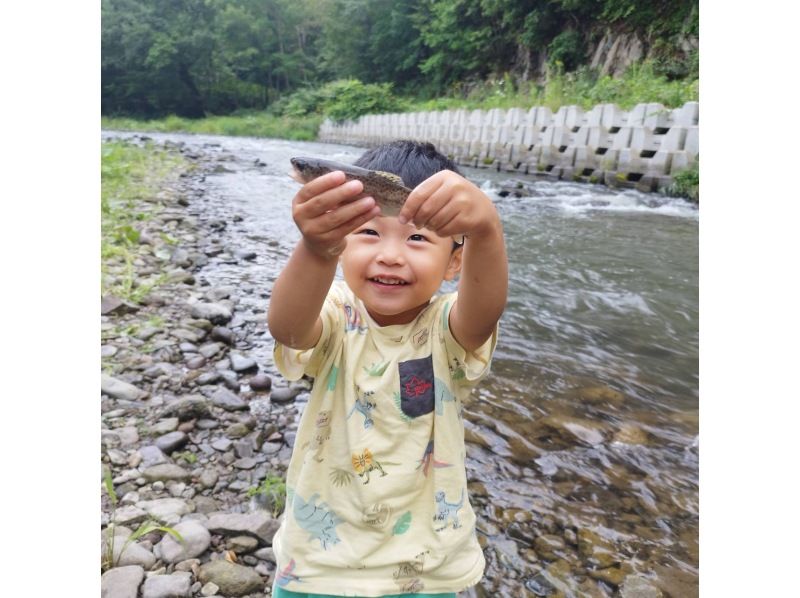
{"type": "Point", "coordinates": [368, 231]}
{"type": "Point", "coordinates": [417, 237]}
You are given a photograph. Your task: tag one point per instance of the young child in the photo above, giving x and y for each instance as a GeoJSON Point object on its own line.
{"type": "Point", "coordinates": [377, 499]}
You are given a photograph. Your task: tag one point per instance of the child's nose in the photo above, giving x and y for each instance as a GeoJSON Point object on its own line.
{"type": "Point", "coordinates": [390, 254]}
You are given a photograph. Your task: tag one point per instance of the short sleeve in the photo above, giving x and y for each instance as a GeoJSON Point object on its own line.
{"type": "Point", "coordinates": [294, 363]}
{"type": "Point", "coordinates": [469, 367]}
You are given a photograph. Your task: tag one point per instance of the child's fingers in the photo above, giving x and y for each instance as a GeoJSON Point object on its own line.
{"type": "Point", "coordinates": [432, 206]}
{"type": "Point", "coordinates": [319, 185]}
{"type": "Point", "coordinates": [447, 223]}
{"type": "Point", "coordinates": [349, 226]}
{"type": "Point", "coordinates": [332, 220]}
{"type": "Point", "coordinates": [419, 195]}
{"type": "Point", "coordinates": [332, 198]}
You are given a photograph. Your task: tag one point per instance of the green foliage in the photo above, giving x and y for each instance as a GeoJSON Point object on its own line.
{"type": "Point", "coordinates": [237, 58]}
{"type": "Point", "coordinates": [686, 184]}
{"type": "Point", "coordinates": [108, 560]}
{"type": "Point", "coordinates": [187, 456]}
{"type": "Point", "coordinates": [272, 491]}
{"type": "Point", "coordinates": [349, 99]}
{"type": "Point", "coordinates": [129, 174]}
{"type": "Point", "coordinates": [566, 50]}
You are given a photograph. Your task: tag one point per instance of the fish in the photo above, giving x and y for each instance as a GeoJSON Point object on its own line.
{"type": "Point", "coordinates": [389, 190]}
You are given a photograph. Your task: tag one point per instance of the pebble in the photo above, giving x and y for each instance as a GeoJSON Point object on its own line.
{"type": "Point", "coordinates": [196, 540]}
{"type": "Point", "coordinates": [258, 524]}
{"type": "Point", "coordinates": [283, 394]}
{"type": "Point", "coordinates": [230, 578]}
{"type": "Point", "coordinates": [121, 582]}
{"type": "Point", "coordinates": [240, 363]}
{"type": "Point", "coordinates": [213, 312]}
{"type": "Point", "coordinates": [165, 471]}
{"type": "Point", "coordinates": [177, 585]}
{"type": "Point", "coordinates": [222, 334]}
{"type": "Point", "coordinates": [172, 441]}
{"type": "Point", "coordinates": [260, 383]}
{"type": "Point", "coordinates": [119, 389]}
{"type": "Point", "coordinates": [225, 399]}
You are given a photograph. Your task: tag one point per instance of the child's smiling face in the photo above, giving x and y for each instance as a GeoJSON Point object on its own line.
{"type": "Point", "coordinates": [396, 268]}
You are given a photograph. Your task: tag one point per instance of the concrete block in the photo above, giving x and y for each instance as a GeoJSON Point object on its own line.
{"type": "Point", "coordinates": [692, 143]}
{"type": "Point", "coordinates": [622, 138]}
{"type": "Point", "coordinates": [657, 117]}
{"type": "Point", "coordinates": [643, 138]}
{"type": "Point", "coordinates": [687, 116]}
{"type": "Point", "coordinates": [674, 139]}
{"type": "Point", "coordinates": [613, 118]}
{"type": "Point", "coordinates": [556, 136]}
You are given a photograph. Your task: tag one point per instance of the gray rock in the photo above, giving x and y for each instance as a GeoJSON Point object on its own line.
{"type": "Point", "coordinates": [129, 515]}
{"type": "Point", "coordinates": [119, 389]}
{"type": "Point", "coordinates": [196, 362]}
{"type": "Point", "coordinates": [206, 424]}
{"type": "Point", "coordinates": [196, 540]}
{"type": "Point", "coordinates": [164, 426]}
{"type": "Point", "coordinates": [225, 399]}
{"type": "Point", "coordinates": [147, 333]}
{"type": "Point", "coordinates": [219, 293]}
{"type": "Point", "coordinates": [210, 589]}
{"type": "Point", "coordinates": [166, 510]}
{"type": "Point", "coordinates": [245, 463]}
{"type": "Point", "coordinates": [209, 478]}
{"type": "Point", "coordinates": [177, 585]}
{"type": "Point", "coordinates": [257, 524]}
{"type": "Point", "coordinates": [172, 441]}
{"type": "Point", "coordinates": [210, 349]}
{"type": "Point", "coordinates": [283, 394]}
{"type": "Point", "coordinates": [266, 554]}
{"type": "Point", "coordinates": [242, 544]}
{"type": "Point", "coordinates": [215, 313]}
{"type": "Point", "coordinates": [240, 363]}
{"type": "Point", "coordinates": [222, 334]}
{"type": "Point", "coordinates": [166, 471]}
{"type": "Point", "coordinates": [232, 579]}
{"type": "Point", "coordinates": [121, 582]}
{"type": "Point", "coordinates": [260, 383]}
{"type": "Point", "coordinates": [152, 455]}
{"type": "Point", "coordinates": [116, 306]}
{"type": "Point", "coordinates": [186, 408]}
{"type": "Point", "coordinates": [245, 254]}
{"type": "Point", "coordinates": [636, 586]}
{"type": "Point", "coordinates": [128, 435]}
{"type": "Point", "coordinates": [222, 444]}
{"type": "Point", "coordinates": [108, 350]}
{"type": "Point", "coordinates": [193, 336]}
{"type": "Point", "coordinates": [132, 553]}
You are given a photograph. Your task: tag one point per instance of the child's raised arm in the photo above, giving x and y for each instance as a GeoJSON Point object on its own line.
{"type": "Point", "coordinates": [325, 213]}
{"type": "Point", "coordinates": [449, 204]}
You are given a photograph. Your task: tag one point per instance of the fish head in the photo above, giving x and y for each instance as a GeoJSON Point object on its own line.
{"type": "Point", "coordinates": [307, 169]}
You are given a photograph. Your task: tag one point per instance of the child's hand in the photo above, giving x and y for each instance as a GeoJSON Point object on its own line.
{"type": "Point", "coordinates": [325, 212]}
{"type": "Point", "coordinates": [449, 204]}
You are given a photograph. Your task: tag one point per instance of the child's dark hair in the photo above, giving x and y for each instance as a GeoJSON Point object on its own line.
{"type": "Point", "coordinates": [412, 161]}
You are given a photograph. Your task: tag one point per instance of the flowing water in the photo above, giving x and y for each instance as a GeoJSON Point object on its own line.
{"type": "Point", "coordinates": [582, 446]}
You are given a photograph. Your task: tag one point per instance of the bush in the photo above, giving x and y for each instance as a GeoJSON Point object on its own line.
{"type": "Point", "coordinates": [566, 50]}
{"type": "Point", "coordinates": [686, 184]}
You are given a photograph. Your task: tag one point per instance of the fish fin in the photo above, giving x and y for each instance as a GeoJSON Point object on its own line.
{"type": "Point", "coordinates": [392, 177]}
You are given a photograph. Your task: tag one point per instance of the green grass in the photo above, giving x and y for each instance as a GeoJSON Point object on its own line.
{"type": "Point", "coordinates": [129, 175]}
{"type": "Point", "coordinates": [640, 84]}
{"type": "Point", "coordinates": [252, 124]}
{"type": "Point", "coordinates": [273, 491]}
{"type": "Point", "coordinates": [686, 183]}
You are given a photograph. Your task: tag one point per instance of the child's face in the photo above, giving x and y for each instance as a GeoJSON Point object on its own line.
{"type": "Point", "coordinates": [396, 268]}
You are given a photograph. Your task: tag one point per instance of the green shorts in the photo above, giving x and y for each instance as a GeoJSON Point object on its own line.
{"type": "Point", "coordinates": [278, 592]}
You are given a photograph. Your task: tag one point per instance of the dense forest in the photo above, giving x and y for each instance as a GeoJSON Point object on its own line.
{"type": "Point", "coordinates": [200, 57]}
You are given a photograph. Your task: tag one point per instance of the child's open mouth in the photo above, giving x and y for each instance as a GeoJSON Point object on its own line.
{"type": "Point", "coordinates": [388, 281]}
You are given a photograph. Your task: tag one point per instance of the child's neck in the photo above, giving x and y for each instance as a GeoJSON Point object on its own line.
{"type": "Point", "coordinates": [405, 317]}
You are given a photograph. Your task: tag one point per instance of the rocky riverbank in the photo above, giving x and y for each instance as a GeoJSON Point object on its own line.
{"type": "Point", "coordinates": [191, 423]}
{"type": "Point", "coordinates": [195, 419]}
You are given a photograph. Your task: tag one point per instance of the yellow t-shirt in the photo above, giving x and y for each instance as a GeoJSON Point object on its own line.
{"type": "Point", "coordinates": [376, 487]}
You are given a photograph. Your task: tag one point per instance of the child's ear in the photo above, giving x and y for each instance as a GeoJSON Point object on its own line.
{"type": "Point", "coordinates": [454, 267]}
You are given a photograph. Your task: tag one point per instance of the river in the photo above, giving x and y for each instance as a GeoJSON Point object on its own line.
{"type": "Point", "coordinates": [582, 446]}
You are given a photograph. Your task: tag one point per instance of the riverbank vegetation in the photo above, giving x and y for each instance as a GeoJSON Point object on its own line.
{"type": "Point", "coordinates": [194, 59]}
{"type": "Point", "coordinates": [129, 174]}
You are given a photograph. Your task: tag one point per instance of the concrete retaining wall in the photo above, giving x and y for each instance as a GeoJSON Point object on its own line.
{"type": "Point", "coordinates": [642, 148]}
